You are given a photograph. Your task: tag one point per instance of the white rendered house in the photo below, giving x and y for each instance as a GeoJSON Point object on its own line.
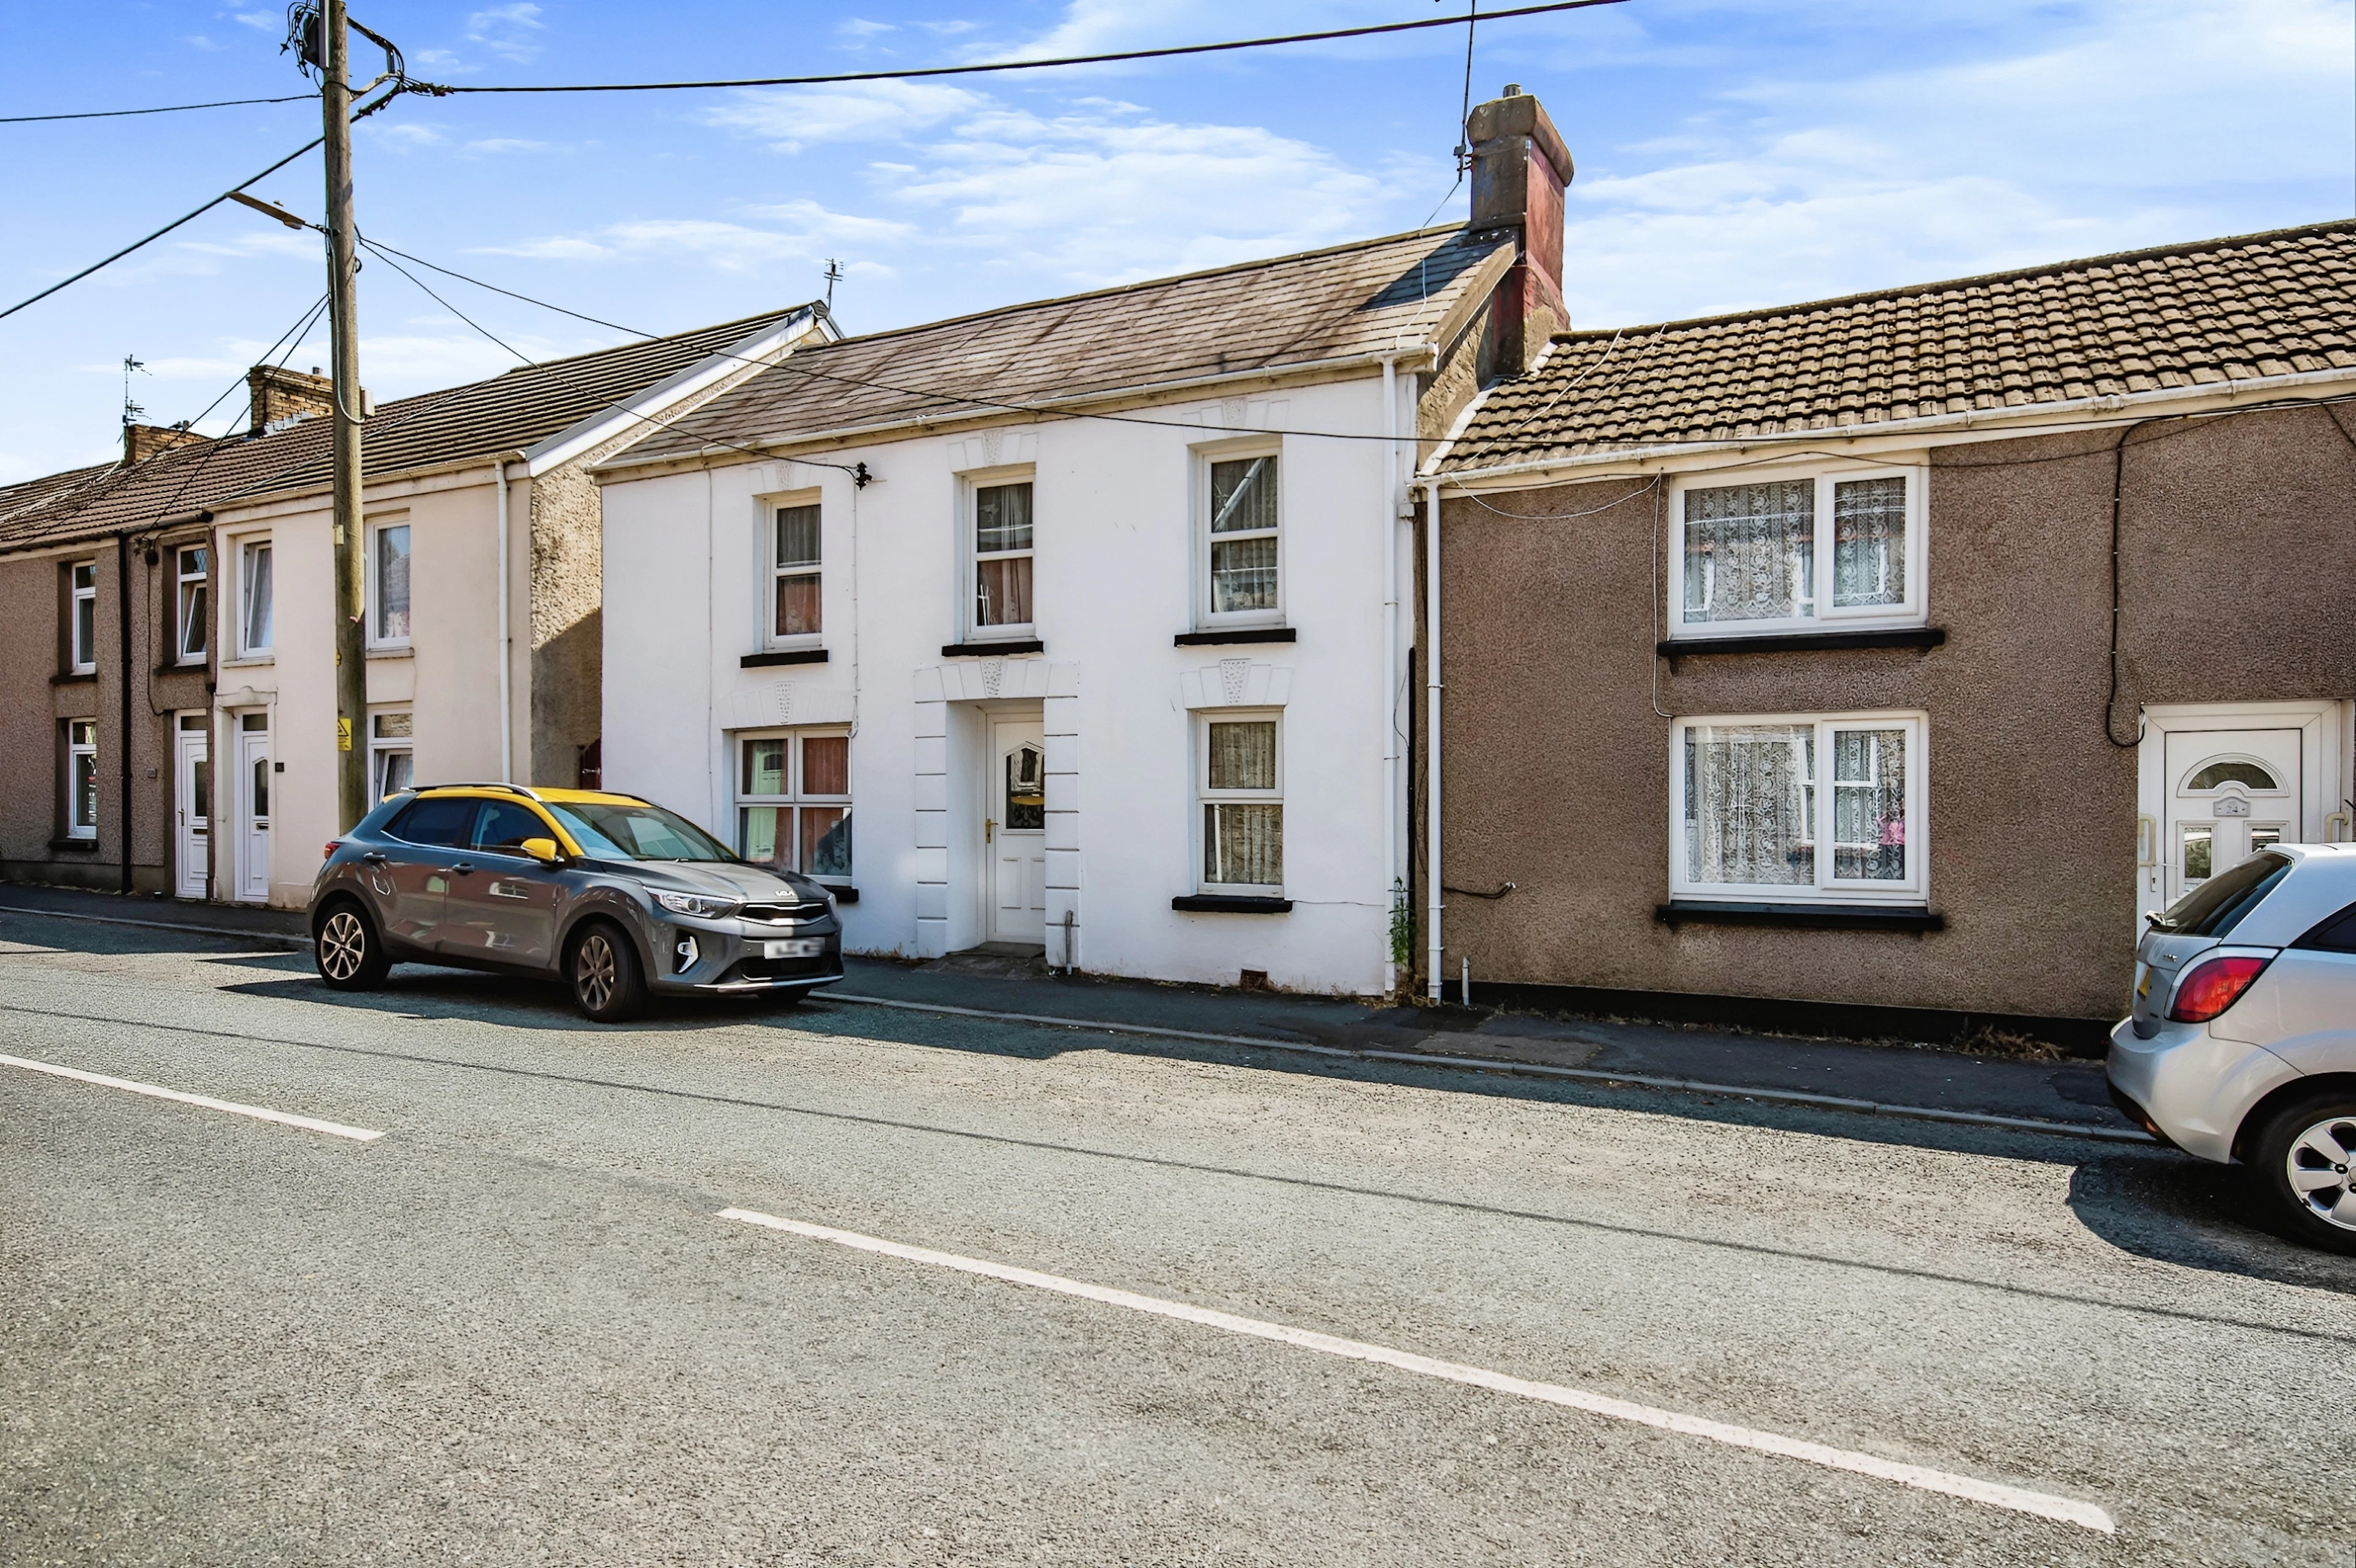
{"type": "Point", "coordinates": [1082, 626]}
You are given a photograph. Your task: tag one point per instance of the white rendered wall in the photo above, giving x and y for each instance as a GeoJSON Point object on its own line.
{"type": "Point", "coordinates": [1114, 580]}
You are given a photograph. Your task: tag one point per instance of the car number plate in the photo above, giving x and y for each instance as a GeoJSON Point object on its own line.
{"type": "Point", "coordinates": [794, 947]}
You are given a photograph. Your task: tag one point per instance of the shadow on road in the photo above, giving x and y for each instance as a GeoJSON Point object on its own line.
{"type": "Point", "coordinates": [2186, 1212]}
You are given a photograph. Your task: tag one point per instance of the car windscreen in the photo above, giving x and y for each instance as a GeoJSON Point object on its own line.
{"type": "Point", "coordinates": [636, 833]}
{"type": "Point", "coordinates": [2219, 904]}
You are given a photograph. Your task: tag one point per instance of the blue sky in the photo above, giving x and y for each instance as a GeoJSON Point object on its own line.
{"type": "Point", "coordinates": [1731, 152]}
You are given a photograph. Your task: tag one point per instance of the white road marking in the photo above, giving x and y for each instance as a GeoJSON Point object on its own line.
{"type": "Point", "coordinates": [205, 1102]}
{"type": "Point", "coordinates": [2067, 1510]}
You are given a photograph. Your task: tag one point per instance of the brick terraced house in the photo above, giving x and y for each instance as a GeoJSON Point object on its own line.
{"type": "Point", "coordinates": [1873, 665]}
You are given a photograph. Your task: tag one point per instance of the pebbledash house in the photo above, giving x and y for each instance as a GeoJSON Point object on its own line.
{"type": "Point", "coordinates": [1079, 626]}
{"type": "Point", "coordinates": [1874, 665]}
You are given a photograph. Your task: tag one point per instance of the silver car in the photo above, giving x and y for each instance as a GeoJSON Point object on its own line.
{"type": "Point", "coordinates": [2241, 1043]}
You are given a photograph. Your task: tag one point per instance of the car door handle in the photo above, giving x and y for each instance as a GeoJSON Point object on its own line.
{"type": "Point", "coordinates": [460, 869]}
{"type": "Point", "coordinates": [375, 857]}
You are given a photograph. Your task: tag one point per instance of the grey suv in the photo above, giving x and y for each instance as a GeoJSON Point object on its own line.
{"type": "Point", "coordinates": [615, 896]}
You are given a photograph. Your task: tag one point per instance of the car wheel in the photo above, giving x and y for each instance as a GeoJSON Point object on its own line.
{"type": "Point", "coordinates": [346, 949]}
{"type": "Point", "coordinates": [2304, 1162]}
{"type": "Point", "coordinates": [608, 985]}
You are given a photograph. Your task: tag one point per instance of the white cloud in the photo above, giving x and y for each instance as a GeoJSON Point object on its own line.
{"type": "Point", "coordinates": [860, 28]}
{"type": "Point", "coordinates": [507, 31]}
{"type": "Point", "coordinates": [789, 118]}
{"type": "Point", "coordinates": [272, 22]}
{"type": "Point", "coordinates": [402, 135]}
{"type": "Point", "coordinates": [492, 144]}
{"type": "Point", "coordinates": [949, 29]}
{"type": "Point", "coordinates": [786, 239]}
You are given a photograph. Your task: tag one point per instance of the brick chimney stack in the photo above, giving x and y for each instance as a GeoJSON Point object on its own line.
{"type": "Point", "coordinates": [1520, 170]}
{"type": "Point", "coordinates": [280, 396]}
{"type": "Point", "coordinates": [142, 441]}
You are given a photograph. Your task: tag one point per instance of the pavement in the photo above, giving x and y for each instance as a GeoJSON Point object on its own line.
{"type": "Point", "coordinates": [1879, 1078]}
{"type": "Point", "coordinates": [849, 1283]}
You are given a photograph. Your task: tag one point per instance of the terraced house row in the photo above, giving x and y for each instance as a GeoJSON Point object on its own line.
{"type": "Point", "coordinates": [1346, 622]}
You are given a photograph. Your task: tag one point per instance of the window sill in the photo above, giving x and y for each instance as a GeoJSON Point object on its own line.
{"type": "Point", "coordinates": [1237, 635]}
{"type": "Point", "coordinates": [71, 678]}
{"type": "Point", "coordinates": [1806, 917]}
{"type": "Point", "coordinates": [192, 667]}
{"type": "Point", "coordinates": [782, 656]}
{"type": "Point", "coordinates": [1803, 642]}
{"type": "Point", "coordinates": [1229, 903]}
{"type": "Point", "coordinates": [397, 651]}
{"type": "Point", "coordinates": [80, 846]}
{"type": "Point", "coordinates": [991, 650]}
{"type": "Point", "coordinates": [250, 661]}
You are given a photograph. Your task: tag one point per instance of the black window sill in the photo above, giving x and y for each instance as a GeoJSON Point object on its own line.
{"type": "Point", "coordinates": [842, 895]}
{"type": "Point", "coordinates": [197, 669]}
{"type": "Point", "coordinates": [782, 656]}
{"type": "Point", "coordinates": [79, 846]}
{"type": "Point", "coordinates": [990, 650]}
{"type": "Point", "coordinates": [1240, 634]}
{"type": "Point", "coordinates": [1804, 642]}
{"type": "Point", "coordinates": [88, 677]}
{"type": "Point", "coordinates": [1806, 917]}
{"type": "Point", "coordinates": [1230, 903]}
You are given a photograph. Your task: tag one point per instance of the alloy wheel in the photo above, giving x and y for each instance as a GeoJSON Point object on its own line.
{"type": "Point", "coordinates": [343, 945]}
{"type": "Point", "coordinates": [2318, 1166]}
{"type": "Point", "coordinates": [593, 971]}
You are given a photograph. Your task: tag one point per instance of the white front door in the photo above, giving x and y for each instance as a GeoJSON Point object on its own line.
{"type": "Point", "coordinates": [2231, 793]}
{"type": "Point", "coordinates": [193, 788]}
{"type": "Point", "coordinates": [1016, 831]}
{"type": "Point", "coordinates": [253, 779]}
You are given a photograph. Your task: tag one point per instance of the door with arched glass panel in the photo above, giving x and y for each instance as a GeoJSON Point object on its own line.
{"type": "Point", "coordinates": [2231, 793]}
{"type": "Point", "coordinates": [1016, 831]}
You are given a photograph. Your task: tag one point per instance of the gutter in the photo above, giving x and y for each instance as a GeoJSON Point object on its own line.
{"type": "Point", "coordinates": [1989, 423]}
{"type": "Point", "coordinates": [1073, 406]}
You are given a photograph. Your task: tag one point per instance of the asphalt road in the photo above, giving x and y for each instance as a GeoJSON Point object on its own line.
{"type": "Point", "coordinates": [517, 1329]}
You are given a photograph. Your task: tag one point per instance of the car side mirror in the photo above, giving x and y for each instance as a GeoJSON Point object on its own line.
{"type": "Point", "coordinates": [544, 851]}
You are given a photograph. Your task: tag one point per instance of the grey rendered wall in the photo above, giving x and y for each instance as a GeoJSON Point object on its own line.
{"type": "Point", "coordinates": [567, 635]}
{"type": "Point", "coordinates": [2238, 536]}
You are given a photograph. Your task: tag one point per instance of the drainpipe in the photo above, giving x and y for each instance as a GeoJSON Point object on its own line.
{"type": "Point", "coordinates": [1390, 656]}
{"type": "Point", "coordinates": [1431, 733]}
{"type": "Point", "coordinates": [506, 642]}
{"type": "Point", "coordinates": [123, 641]}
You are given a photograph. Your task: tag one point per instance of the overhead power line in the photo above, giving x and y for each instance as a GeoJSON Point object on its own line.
{"type": "Point", "coordinates": [439, 90]}
{"type": "Point", "coordinates": [160, 109]}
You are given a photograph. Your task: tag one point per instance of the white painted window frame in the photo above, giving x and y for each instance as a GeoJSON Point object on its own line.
{"type": "Point", "coordinates": [371, 571]}
{"type": "Point", "coordinates": [1914, 611]}
{"type": "Point", "coordinates": [1206, 619]}
{"type": "Point", "coordinates": [1826, 888]}
{"type": "Point", "coordinates": [82, 657]}
{"type": "Point", "coordinates": [242, 551]}
{"type": "Point", "coordinates": [383, 746]}
{"type": "Point", "coordinates": [75, 750]}
{"type": "Point", "coordinates": [795, 795]}
{"type": "Point", "coordinates": [182, 622]}
{"type": "Point", "coordinates": [770, 573]}
{"type": "Point", "coordinates": [969, 557]}
{"type": "Point", "coordinates": [1204, 796]}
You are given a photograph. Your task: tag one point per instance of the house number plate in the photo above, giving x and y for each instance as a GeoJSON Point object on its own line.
{"type": "Point", "coordinates": [794, 947]}
{"type": "Point", "coordinates": [2229, 807]}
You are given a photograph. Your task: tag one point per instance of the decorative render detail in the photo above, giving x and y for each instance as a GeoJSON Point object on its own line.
{"type": "Point", "coordinates": [1236, 683]}
{"type": "Point", "coordinates": [760, 705]}
{"type": "Point", "coordinates": [995, 448]}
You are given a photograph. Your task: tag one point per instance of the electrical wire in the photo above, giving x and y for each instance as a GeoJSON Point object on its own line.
{"type": "Point", "coordinates": [160, 109]}
{"type": "Point", "coordinates": [439, 90]}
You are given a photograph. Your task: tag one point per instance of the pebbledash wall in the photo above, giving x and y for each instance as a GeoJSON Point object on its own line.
{"type": "Point", "coordinates": [2236, 536]}
{"type": "Point", "coordinates": [1117, 536]}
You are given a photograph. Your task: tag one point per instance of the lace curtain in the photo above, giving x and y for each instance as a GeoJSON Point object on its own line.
{"type": "Point", "coordinates": [1870, 806]}
{"type": "Point", "coordinates": [1749, 551]}
{"type": "Point", "coordinates": [1243, 842]}
{"type": "Point", "coordinates": [1751, 803]}
{"type": "Point", "coordinates": [1869, 541]}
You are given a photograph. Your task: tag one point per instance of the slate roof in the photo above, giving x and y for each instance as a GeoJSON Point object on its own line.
{"type": "Point", "coordinates": [1294, 310]}
{"type": "Point", "coordinates": [480, 419]}
{"type": "Point", "coordinates": [2182, 315]}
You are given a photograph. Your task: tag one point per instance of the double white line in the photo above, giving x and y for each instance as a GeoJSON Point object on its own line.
{"type": "Point", "coordinates": [1994, 1494]}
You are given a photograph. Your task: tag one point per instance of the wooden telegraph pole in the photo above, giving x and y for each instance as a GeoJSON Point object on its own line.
{"type": "Point", "coordinates": [351, 594]}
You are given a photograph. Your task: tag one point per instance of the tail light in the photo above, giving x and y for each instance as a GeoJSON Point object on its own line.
{"type": "Point", "coordinates": [2213, 987]}
{"type": "Point", "coordinates": [329, 852]}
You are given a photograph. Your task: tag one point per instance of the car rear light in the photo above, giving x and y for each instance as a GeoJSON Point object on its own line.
{"type": "Point", "coordinates": [329, 852]}
{"type": "Point", "coordinates": [2213, 987]}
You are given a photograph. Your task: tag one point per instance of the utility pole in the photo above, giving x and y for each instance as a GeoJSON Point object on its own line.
{"type": "Point", "coordinates": [343, 269]}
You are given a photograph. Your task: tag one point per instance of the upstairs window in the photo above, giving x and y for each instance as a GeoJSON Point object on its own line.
{"type": "Point", "coordinates": [1799, 809]}
{"type": "Point", "coordinates": [192, 603]}
{"type": "Point", "coordinates": [253, 595]}
{"type": "Point", "coordinates": [82, 619]}
{"type": "Point", "coordinates": [1241, 534]}
{"type": "Point", "coordinates": [794, 593]}
{"type": "Point", "coordinates": [389, 586]}
{"type": "Point", "coordinates": [1002, 560]}
{"type": "Point", "coordinates": [392, 757]}
{"type": "Point", "coordinates": [1241, 791]}
{"type": "Point", "coordinates": [82, 779]}
{"type": "Point", "coordinates": [793, 801]}
{"type": "Point", "coordinates": [1812, 552]}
